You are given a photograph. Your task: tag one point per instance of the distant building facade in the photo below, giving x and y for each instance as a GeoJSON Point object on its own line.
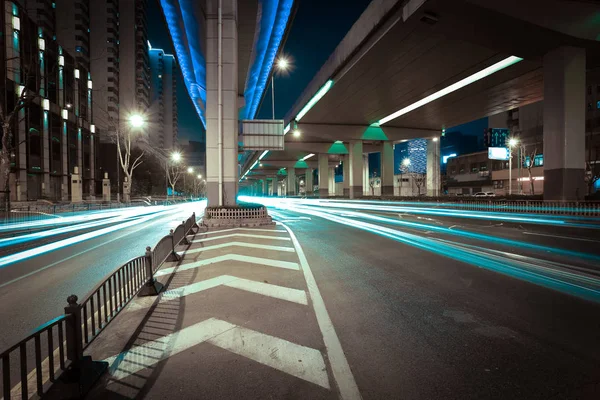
{"type": "Point", "coordinates": [163, 99]}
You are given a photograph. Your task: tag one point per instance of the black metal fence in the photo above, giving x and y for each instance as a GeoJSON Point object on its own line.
{"type": "Point", "coordinates": [31, 366]}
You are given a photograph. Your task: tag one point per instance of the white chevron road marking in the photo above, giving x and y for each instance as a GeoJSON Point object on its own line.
{"type": "Point", "coordinates": [240, 235]}
{"type": "Point", "coordinates": [230, 257]}
{"type": "Point", "coordinates": [239, 244]}
{"type": "Point", "coordinates": [265, 289]}
{"type": "Point", "coordinates": [296, 360]}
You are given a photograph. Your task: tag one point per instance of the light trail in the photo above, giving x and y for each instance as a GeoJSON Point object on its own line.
{"type": "Point", "coordinates": [24, 255]}
{"type": "Point", "coordinates": [530, 269]}
{"type": "Point", "coordinates": [537, 219]}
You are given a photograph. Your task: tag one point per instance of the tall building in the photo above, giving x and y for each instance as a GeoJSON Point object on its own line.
{"type": "Point", "coordinates": [73, 28]}
{"type": "Point", "coordinates": [163, 99]}
{"type": "Point", "coordinates": [54, 133]}
{"type": "Point", "coordinates": [42, 13]}
{"type": "Point", "coordinates": [104, 51]}
{"type": "Point", "coordinates": [134, 62]}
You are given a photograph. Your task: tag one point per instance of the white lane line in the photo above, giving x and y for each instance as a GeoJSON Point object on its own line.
{"type": "Point", "coordinates": [299, 361]}
{"type": "Point", "coordinates": [339, 364]}
{"type": "Point", "coordinates": [248, 235]}
{"type": "Point", "coordinates": [144, 356]}
{"type": "Point", "coordinates": [561, 237]}
{"type": "Point", "coordinates": [242, 229]}
{"type": "Point", "coordinates": [296, 360]}
{"type": "Point", "coordinates": [239, 244]}
{"type": "Point", "coordinates": [230, 257]}
{"type": "Point", "coordinates": [265, 289]}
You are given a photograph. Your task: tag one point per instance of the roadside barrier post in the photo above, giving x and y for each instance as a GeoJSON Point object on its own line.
{"type": "Point", "coordinates": [152, 286]}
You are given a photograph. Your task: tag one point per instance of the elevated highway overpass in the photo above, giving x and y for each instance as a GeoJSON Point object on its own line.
{"type": "Point", "coordinates": [409, 69]}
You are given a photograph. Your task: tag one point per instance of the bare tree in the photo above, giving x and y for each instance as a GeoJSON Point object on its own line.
{"type": "Point", "coordinates": [528, 160]}
{"type": "Point", "coordinates": [174, 172]}
{"type": "Point", "coordinates": [419, 180]}
{"type": "Point", "coordinates": [128, 164]}
{"type": "Point", "coordinates": [28, 70]}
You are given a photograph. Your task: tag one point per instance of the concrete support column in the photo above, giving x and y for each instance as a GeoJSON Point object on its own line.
{"type": "Point", "coordinates": [564, 124]}
{"type": "Point", "coordinates": [264, 187]}
{"type": "Point", "coordinates": [355, 169]}
{"type": "Point", "coordinates": [387, 168]}
{"type": "Point", "coordinates": [346, 166]}
{"type": "Point", "coordinates": [229, 81]}
{"type": "Point", "coordinates": [323, 175]}
{"type": "Point", "coordinates": [331, 181]}
{"type": "Point", "coordinates": [308, 182]}
{"type": "Point", "coordinates": [366, 176]}
{"type": "Point", "coordinates": [433, 168]}
{"type": "Point", "coordinates": [291, 182]}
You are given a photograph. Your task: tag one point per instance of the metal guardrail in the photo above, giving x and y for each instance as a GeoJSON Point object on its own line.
{"type": "Point", "coordinates": [586, 208]}
{"type": "Point", "coordinates": [74, 331]}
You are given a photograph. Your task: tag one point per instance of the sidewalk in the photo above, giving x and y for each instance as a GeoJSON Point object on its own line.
{"type": "Point", "coordinates": [237, 320]}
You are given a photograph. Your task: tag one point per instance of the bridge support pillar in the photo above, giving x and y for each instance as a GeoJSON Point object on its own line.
{"type": "Point", "coordinates": [433, 168]}
{"type": "Point", "coordinates": [365, 173]}
{"type": "Point", "coordinates": [346, 166]}
{"type": "Point", "coordinates": [221, 177]}
{"type": "Point", "coordinates": [564, 124]}
{"type": "Point", "coordinates": [308, 182]}
{"type": "Point", "coordinates": [291, 182]}
{"type": "Point", "coordinates": [265, 187]}
{"type": "Point", "coordinates": [355, 169]}
{"type": "Point", "coordinates": [331, 181]}
{"type": "Point", "coordinates": [387, 168]}
{"type": "Point", "coordinates": [323, 175]}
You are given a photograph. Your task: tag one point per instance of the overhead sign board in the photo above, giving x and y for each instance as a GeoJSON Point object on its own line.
{"type": "Point", "coordinates": [498, 153]}
{"type": "Point", "coordinates": [263, 134]}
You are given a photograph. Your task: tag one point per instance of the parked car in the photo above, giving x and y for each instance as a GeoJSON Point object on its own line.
{"type": "Point", "coordinates": [480, 194]}
{"type": "Point", "coordinates": [490, 194]}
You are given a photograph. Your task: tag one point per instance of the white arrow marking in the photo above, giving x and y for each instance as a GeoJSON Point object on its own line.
{"type": "Point", "coordinates": [230, 257]}
{"type": "Point", "coordinates": [240, 244]}
{"type": "Point", "coordinates": [242, 229]}
{"type": "Point", "coordinates": [299, 361]}
{"type": "Point", "coordinates": [265, 289]}
{"type": "Point", "coordinates": [240, 235]}
{"type": "Point", "coordinates": [265, 349]}
{"type": "Point", "coordinates": [150, 353]}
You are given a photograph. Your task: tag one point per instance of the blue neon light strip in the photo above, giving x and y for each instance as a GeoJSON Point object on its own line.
{"type": "Point", "coordinates": [186, 41]}
{"type": "Point", "coordinates": [270, 30]}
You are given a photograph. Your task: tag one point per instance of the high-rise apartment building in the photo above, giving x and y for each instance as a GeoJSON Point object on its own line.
{"type": "Point", "coordinates": [54, 137]}
{"type": "Point", "coordinates": [104, 51]}
{"type": "Point", "coordinates": [73, 28]}
{"type": "Point", "coordinates": [134, 63]}
{"type": "Point", "coordinates": [163, 99]}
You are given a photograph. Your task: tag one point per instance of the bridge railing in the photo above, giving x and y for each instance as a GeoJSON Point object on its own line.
{"type": "Point", "coordinates": [31, 366]}
{"type": "Point", "coordinates": [581, 208]}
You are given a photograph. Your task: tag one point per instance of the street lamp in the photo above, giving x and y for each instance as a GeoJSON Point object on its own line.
{"type": "Point", "coordinates": [511, 143]}
{"type": "Point", "coordinates": [282, 65]}
{"type": "Point", "coordinates": [176, 156]}
{"type": "Point", "coordinates": [190, 170]}
{"type": "Point", "coordinates": [136, 120]}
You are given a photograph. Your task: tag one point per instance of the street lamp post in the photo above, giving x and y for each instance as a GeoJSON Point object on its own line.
{"type": "Point", "coordinates": [175, 157]}
{"type": "Point", "coordinates": [282, 65]}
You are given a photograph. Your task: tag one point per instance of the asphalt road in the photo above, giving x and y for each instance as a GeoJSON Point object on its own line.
{"type": "Point", "coordinates": [422, 324]}
{"type": "Point", "coordinates": [33, 290]}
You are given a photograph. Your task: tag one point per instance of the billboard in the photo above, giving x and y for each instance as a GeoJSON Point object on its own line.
{"type": "Point", "coordinates": [498, 153]}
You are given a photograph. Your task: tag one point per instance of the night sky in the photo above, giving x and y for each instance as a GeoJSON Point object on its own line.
{"type": "Point", "coordinates": [313, 36]}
